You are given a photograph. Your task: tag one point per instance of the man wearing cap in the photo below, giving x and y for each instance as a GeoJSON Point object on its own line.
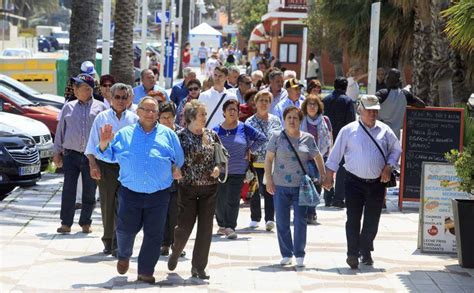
{"type": "Point", "coordinates": [148, 80]}
{"type": "Point", "coordinates": [87, 67]}
{"type": "Point", "coordinates": [367, 171]}
{"type": "Point", "coordinates": [340, 110]}
{"type": "Point", "coordinates": [72, 134]}
{"type": "Point", "coordinates": [294, 98]}
{"type": "Point", "coordinates": [394, 100]}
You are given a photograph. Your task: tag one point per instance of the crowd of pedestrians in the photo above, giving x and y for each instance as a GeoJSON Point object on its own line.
{"type": "Point", "coordinates": [153, 157]}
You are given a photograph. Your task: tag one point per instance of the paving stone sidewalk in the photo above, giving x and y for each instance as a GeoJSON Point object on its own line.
{"type": "Point", "coordinates": [33, 257]}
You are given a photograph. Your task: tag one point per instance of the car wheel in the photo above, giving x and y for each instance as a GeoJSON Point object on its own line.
{"type": "Point", "coordinates": [5, 190]}
{"type": "Point", "coordinates": [45, 50]}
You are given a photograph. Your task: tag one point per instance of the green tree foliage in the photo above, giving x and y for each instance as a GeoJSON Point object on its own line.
{"type": "Point", "coordinates": [460, 25]}
{"type": "Point", "coordinates": [248, 13]}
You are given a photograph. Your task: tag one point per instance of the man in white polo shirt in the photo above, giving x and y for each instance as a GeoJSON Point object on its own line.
{"type": "Point", "coordinates": [215, 97]}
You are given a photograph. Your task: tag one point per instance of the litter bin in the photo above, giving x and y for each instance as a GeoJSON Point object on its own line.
{"type": "Point", "coordinates": [463, 211]}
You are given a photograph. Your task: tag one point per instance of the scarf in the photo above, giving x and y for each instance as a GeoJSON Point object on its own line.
{"type": "Point", "coordinates": [323, 134]}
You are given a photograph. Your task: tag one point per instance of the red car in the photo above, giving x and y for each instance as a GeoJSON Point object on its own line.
{"type": "Point", "coordinates": [12, 102]}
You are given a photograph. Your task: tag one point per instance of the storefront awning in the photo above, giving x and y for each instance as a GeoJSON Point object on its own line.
{"type": "Point", "coordinates": [258, 34]}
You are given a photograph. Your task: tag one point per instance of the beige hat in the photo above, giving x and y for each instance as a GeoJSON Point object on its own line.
{"type": "Point", "coordinates": [370, 102]}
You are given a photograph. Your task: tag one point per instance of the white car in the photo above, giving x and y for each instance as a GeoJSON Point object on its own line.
{"type": "Point", "coordinates": [34, 128]}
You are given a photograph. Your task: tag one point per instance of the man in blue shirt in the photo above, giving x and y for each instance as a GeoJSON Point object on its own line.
{"type": "Point", "coordinates": [180, 90]}
{"type": "Point", "coordinates": [340, 110]}
{"type": "Point", "coordinates": [294, 98]}
{"type": "Point", "coordinates": [149, 155]}
{"type": "Point", "coordinates": [367, 172]}
{"type": "Point", "coordinates": [106, 172]}
{"type": "Point", "coordinates": [148, 80]}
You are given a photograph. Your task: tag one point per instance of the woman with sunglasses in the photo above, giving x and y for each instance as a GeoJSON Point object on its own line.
{"type": "Point", "coordinates": [239, 139]}
{"type": "Point", "coordinates": [194, 89]}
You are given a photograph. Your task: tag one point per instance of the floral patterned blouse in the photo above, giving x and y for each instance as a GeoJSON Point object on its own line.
{"type": "Point", "coordinates": [199, 159]}
{"type": "Point", "coordinates": [267, 127]}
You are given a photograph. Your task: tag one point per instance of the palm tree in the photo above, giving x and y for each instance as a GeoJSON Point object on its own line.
{"type": "Point", "coordinates": [442, 66]}
{"type": "Point", "coordinates": [28, 8]}
{"type": "Point", "coordinates": [122, 53]}
{"type": "Point", "coordinates": [83, 33]}
{"type": "Point", "coordinates": [460, 25]}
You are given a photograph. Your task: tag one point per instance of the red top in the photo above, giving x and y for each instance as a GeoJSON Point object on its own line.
{"type": "Point", "coordinates": [186, 56]}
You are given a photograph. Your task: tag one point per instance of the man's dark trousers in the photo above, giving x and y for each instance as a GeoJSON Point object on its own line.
{"type": "Point", "coordinates": [366, 198]}
{"type": "Point", "coordinates": [108, 190]}
{"type": "Point", "coordinates": [73, 164]}
{"type": "Point", "coordinates": [137, 210]}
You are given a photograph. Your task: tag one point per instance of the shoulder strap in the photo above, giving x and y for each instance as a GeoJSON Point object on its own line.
{"type": "Point", "coordinates": [215, 109]}
{"type": "Point", "coordinates": [373, 139]}
{"type": "Point", "coordinates": [293, 148]}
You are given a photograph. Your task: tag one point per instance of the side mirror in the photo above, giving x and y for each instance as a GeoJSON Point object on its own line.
{"type": "Point", "coordinates": [7, 107]}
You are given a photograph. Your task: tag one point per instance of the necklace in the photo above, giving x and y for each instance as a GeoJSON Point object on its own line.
{"type": "Point", "coordinates": [228, 132]}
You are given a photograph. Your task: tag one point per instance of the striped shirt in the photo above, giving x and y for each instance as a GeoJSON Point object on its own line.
{"type": "Point", "coordinates": [238, 142]}
{"type": "Point", "coordinates": [108, 117]}
{"type": "Point", "coordinates": [145, 159]}
{"type": "Point", "coordinates": [361, 156]}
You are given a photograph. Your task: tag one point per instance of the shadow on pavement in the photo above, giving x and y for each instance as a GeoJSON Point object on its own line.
{"type": "Point", "coordinates": [92, 258]}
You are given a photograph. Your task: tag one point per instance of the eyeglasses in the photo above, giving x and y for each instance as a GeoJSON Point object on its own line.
{"type": "Point", "coordinates": [123, 98]}
{"type": "Point", "coordinates": [193, 89]}
{"type": "Point", "coordinates": [107, 85]}
{"type": "Point", "coordinates": [153, 111]}
{"type": "Point", "coordinates": [312, 104]}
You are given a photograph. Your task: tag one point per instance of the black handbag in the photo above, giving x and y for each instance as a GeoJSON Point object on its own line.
{"type": "Point", "coordinates": [393, 176]}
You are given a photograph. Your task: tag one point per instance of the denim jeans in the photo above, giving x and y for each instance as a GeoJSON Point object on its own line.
{"type": "Point", "coordinates": [362, 198]}
{"type": "Point", "coordinates": [255, 202]}
{"type": "Point", "coordinates": [284, 199]}
{"type": "Point", "coordinates": [73, 164]}
{"type": "Point", "coordinates": [228, 200]}
{"type": "Point", "coordinates": [137, 210]}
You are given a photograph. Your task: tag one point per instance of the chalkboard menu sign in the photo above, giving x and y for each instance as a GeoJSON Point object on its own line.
{"type": "Point", "coordinates": [428, 133]}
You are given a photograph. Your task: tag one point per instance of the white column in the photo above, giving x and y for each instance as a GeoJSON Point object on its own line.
{"type": "Point", "coordinates": [143, 59]}
{"type": "Point", "coordinates": [180, 32]}
{"type": "Point", "coordinates": [106, 36]}
{"type": "Point", "coordinates": [373, 47]}
{"type": "Point", "coordinates": [304, 50]}
{"type": "Point", "coordinates": [163, 44]}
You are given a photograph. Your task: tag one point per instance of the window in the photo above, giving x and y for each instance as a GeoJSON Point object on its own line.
{"type": "Point", "coordinates": [293, 30]}
{"type": "Point", "coordinates": [288, 53]}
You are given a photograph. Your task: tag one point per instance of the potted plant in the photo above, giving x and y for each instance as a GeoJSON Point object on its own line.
{"type": "Point", "coordinates": [463, 209]}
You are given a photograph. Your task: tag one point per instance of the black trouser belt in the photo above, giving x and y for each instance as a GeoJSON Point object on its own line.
{"type": "Point", "coordinates": [349, 174]}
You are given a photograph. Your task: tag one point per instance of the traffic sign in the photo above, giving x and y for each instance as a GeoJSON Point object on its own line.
{"type": "Point", "coordinates": [158, 16]}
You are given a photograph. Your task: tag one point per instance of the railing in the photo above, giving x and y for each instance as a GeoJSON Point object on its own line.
{"type": "Point", "coordinates": [296, 4]}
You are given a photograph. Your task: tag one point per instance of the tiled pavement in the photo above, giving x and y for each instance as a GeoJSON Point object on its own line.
{"type": "Point", "coordinates": [34, 258]}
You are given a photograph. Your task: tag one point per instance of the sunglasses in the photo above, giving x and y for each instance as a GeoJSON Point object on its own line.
{"type": "Point", "coordinates": [193, 89]}
{"type": "Point", "coordinates": [123, 98]}
{"type": "Point", "coordinates": [107, 85]}
{"type": "Point", "coordinates": [148, 110]}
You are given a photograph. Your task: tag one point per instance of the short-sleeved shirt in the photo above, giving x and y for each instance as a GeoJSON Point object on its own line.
{"type": "Point", "coordinates": [287, 171]}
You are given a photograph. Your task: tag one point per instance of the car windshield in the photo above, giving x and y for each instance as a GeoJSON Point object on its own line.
{"type": "Point", "coordinates": [15, 97]}
{"type": "Point", "coordinates": [15, 84]}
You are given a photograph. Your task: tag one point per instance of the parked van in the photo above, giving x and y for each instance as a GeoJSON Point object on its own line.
{"type": "Point", "coordinates": [17, 124]}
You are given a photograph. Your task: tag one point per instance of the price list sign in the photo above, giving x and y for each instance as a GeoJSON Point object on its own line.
{"type": "Point", "coordinates": [439, 186]}
{"type": "Point", "coordinates": [428, 133]}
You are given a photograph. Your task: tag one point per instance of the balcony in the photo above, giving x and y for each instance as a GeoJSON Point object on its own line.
{"type": "Point", "coordinates": [295, 4]}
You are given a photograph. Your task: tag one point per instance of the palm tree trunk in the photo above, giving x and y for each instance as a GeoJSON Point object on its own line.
{"type": "Point", "coordinates": [184, 31]}
{"type": "Point", "coordinates": [442, 54]}
{"type": "Point", "coordinates": [83, 33]}
{"type": "Point", "coordinates": [336, 58]}
{"type": "Point", "coordinates": [422, 55]}
{"type": "Point", "coordinates": [122, 53]}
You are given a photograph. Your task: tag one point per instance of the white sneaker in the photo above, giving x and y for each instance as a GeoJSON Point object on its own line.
{"type": "Point", "coordinates": [269, 226]}
{"type": "Point", "coordinates": [285, 261]}
{"type": "Point", "coordinates": [253, 224]}
{"type": "Point", "coordinates": [220, 231]}
{"type": "Point", "coordinates": [300, 261]}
